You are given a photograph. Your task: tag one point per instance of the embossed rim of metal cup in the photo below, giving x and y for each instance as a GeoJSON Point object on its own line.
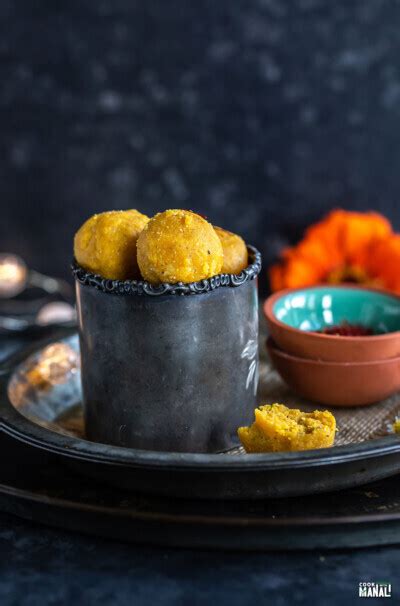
{"type": "Point", "coordinates": [142, 287]}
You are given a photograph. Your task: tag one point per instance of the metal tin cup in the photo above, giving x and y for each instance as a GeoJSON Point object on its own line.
{"type": "Point", "coordinates": [171, 367]}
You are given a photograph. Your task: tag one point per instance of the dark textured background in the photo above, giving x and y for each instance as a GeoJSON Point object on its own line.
{"type": "Point", "coordinates": [262, 114]}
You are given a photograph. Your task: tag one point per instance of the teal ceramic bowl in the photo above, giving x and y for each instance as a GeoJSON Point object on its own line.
{"type": "Point", "coordinates": [294, 317]}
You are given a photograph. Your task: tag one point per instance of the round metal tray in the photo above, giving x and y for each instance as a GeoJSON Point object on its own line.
{"type": "Point", "coordinates": [40, 406]}
{"type": "Point", "coordinates": [45, 491]}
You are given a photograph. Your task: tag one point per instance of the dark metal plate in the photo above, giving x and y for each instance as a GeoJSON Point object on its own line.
{"type": "Point", "coordinates": [43, 490]}
{"type": "Point", "coordinates": [40, 415]}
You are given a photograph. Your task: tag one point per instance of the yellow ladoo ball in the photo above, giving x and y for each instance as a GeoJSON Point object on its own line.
{"type": "Point", "coordinates": [106, 244]}
{"type": "Point", "coordinates": [179, 246]}
{"type": "Point", "coordinates": [235, 252]}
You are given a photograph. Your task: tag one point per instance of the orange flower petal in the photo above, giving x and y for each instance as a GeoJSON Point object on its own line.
{"type": "Point", "coordinates": [342, 239]}
{"type": "Point", "coordinates": [384, 262]}
{"type": "Point", "coordinates": [360, 232]}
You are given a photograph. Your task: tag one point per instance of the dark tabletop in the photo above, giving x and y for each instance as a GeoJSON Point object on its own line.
{"type": "Point", "coordinates": [40, 566]}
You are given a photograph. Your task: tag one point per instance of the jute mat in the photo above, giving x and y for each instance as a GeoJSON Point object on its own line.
{"type": "Point", "coordinates": [355, 424]}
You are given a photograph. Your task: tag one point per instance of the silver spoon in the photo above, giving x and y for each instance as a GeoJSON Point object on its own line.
{"type": "Point", "coordinates": [15, 277]}
{"type": "Point", "coordinates": [55, 313]}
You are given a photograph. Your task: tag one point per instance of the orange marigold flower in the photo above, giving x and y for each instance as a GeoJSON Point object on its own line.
{"type": "Point", "coordinates": [383, 263]}
{"type": "Point", "coordinates": [343, 247]}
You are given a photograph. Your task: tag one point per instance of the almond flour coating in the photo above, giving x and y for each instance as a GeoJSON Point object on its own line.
{"type": "Point", "coordinates": [235, 252]}
{"type": "Point", "coordinates": [278, 428]}
{"type": "Point", "coordinates": [179, 246]}
{"type": "Point", "coordinates": [106, 244]}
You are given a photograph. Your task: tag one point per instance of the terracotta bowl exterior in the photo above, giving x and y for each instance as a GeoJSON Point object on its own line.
{"type": "Point", "coordinates": [293, 328]}
{"type": "Point", "coordinates": [334, 383]}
